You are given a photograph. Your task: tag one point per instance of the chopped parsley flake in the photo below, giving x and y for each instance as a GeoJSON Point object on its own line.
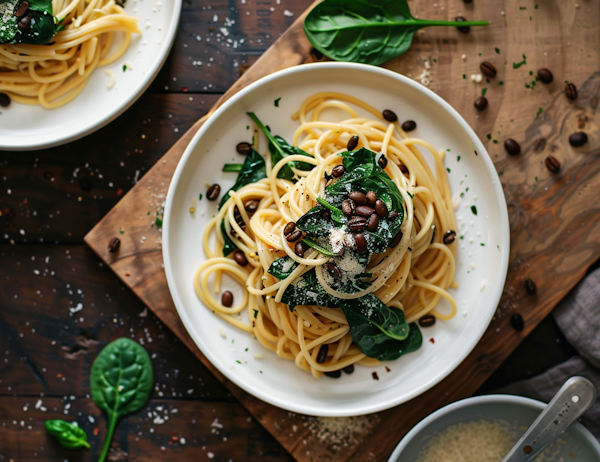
{"type": "Point", "coordinates": [500, 83]}
{"type": "Point", "coordinates": [255, 313]}
{"type": "Point", "coordinates": [448, 169]}
{"type": "Point", "coordinates": [411, 195]}
{"type": "Point", "coordinates": [124, 67]}
{"type": "Point", "coordinates": [200, 197]}
{"type": "Point", "coordinates": [276, 102]}
{"type": "Point", "coordinates": [461, 237]}
{"type": "Point", "coordinates": [458, 159]}
{"type": "Point", "coordinates": [464, 76]}
{"type": "Point", "coordinates": [158, 221]}
{"type": "Point", "coordinates": [474, 209]}
{"type": "Point", "coordinates": [520, 63]}
{"type": "Point", "coordinates": [482, 244]}
{"type": "Point", "coordinates": [483, 91]}
{"type": "Point", "coordinates": [239, 362]}
{"type": "Point", "coordinates": [497, 50]}
{"type": "Point", "coordinates": [489, 136]}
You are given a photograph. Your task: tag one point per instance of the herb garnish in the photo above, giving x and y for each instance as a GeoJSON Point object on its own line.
{"type": "Point", "coordinates": [69, 435]}
{"type": "Point", "coordinates": [520, 63]}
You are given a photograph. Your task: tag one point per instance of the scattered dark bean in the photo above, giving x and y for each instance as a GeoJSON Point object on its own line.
{"type": "Point", "coordinates": [251, 206]}
{"type": "Point", "coordinates": [463, 29]}
{"type": "Point", "coordinates": [291, 226]}
{"type": "Point", "coordinates": [21, 9]}
{"type": "Point", "coordinates": [396, 239]}
{"type": "Point", "coordinates": [364, 210]}
{"type": "Point", "coordinates": [347, 207]}
{"type": "Point", "coordinates": [333, 374]}
{"type": "Point", "coordinates": [212, 194]}
{"type": "Point", "coordinates": [358, 198]}
{"type": "Point", "coordinates": [449, 237]}
{"type": "Point", "coordinates": [338, 171]}
{"type": "Point", "coordinates": [516, 320]}
{"type": "Point", "coordinates": [240, 257]}
{"type": "Point", "coordinates": [24, 22]}
{"type": "Point", "coordinates": [114, 244]}
{"type": "Point", "coordinates": [512, 147]}
{"type": "Point", "coordinates": [361, 243]}
{"type": "Point", "coordinates": [349, 369]}
{"type": "Point", "coordinates": [545, 75]}
{"type": "Point", "coordinates": [392, 215]}
{"type": "Point", "coordinates": [333, 270]}
{"type": "Point", "coordinates": [409, 125]}
{"type": "Point", "coordinates": [357, 224]}
{"type": "Point", "coordinates": [381, 209]}
{"type": "Point", "coordinates": [294, 236]}
{"type": "Point", "coordinates": [4, 100]}
{"type": "Point", "coordinates": [85, 184]}
{"type": "Point", "coordinates": [322, 356]}
{"type": "Point", "coordinates": [352, 143]}
{"type": "Point", "coordinates": [578, 139]}
{"type": "Point", "coordinates": [299, 249]}
{"type": "Point", "coordinates": [373, 222]}
{"type": "Point", "coordinates": [371, 197]}
{"type": "Point", "coordinates": [552, 164]}
{"type": "Point", "coordinates": [403, 168]}
{"type": "Point", "coordinates": [571, 91]}
{"type": "Point", "coordinates": [480, 103]}
{"type": "Point", "coordinates": [227, 299]}
{"type": "Point", "coordinates": [390, 116]}
{"type": "Point", "coordinates": [530, 287]}
{"type": "Point", "coordinates": [488, 69]}
{"type": "Point", "coordinates": [382, 162]}
{"type": "Point", "coordinates": [244, 148]}
{"type": "Point", "coordinates": [427, 321]}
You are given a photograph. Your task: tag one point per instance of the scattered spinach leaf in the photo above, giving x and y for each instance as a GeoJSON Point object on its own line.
{"type": "Point", "coordinates": [282, 268]}
{"type": "Point", "coordinates": [375, 344]}
{"type": "Point", "coordinates": [369, 309]}
{"type": "Point", "coordinates": [68, 434]}
{"type": "Point", "coordinates": [336, 214]}
{"type": "Point", "coordinates": [366, 31]}
{"type": "Point", "coordinates": [321, 249]}
{"type": "Point", "coordinates": [228, 246]}
{"type": "Point", "coordinates": [121, 382]}
{"type": "Point", "coordinates": [253, 170]}
{"type": "Point", "coordinates": [232, 167]}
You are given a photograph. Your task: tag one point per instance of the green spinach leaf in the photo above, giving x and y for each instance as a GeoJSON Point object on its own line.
{"type": "Point", "coordinates": [320, 248]}
{"type": "Point", "coordinates": [282, 267]}
{"type": "Point", "coordinates": [313, 223]}
{"type": "Point", "coordinates": [336, 214]}
{"type": "Point", "coordinates": [232, 167]}
{"type": "Point", "coordinates": [366, 31]}
{"type": "Point", "coordinates": [228, 246]}
{"type": "Point", "coordinates": [253, 170]}
{"type": "Point", "coordinates": [369, 309]}
{"type": "Point", "coordinates": [375, 344]}
{"type": "Point", "coordinates": [41, 29]}
{"type": "Point", "coordinates": [121, 382]}
{"type": "Point", "coordinates": [68, 434]}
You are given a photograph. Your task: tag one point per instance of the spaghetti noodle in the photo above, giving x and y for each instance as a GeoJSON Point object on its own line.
{"type": "Point", "coordinates": [336, 267]}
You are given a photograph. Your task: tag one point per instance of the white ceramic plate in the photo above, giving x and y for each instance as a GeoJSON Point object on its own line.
{"type": "Point", "coordinates": [576, 444]}
{"type": "Point", "coordinates": [481, 269]}
{"type": "Point", "coordinates": [24, 128]}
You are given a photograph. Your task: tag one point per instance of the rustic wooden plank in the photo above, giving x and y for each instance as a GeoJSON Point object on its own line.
{"type": "Point", "coordinates": [188, 433]}
{"type": "Point", "coordinates": [556, 257]}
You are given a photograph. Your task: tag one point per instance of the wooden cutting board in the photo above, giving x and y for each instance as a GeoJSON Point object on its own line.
{"type": "Point", "coordinates": [554, 218]}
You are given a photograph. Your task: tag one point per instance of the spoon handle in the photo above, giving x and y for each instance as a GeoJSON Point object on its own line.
{"type": "Point", "coordinates": [572, 400]}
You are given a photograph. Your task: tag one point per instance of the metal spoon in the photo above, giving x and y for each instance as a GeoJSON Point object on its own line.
{"type": "Point", "coordinates": [572, 400]}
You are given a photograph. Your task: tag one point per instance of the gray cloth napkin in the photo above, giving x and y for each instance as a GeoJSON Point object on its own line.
{"type": "Point", "coordinates": [578, 316]}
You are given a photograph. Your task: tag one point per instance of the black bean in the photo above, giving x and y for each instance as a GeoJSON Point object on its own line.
{"type": "Point", "coordinates": [289, 228]}
{"type": "Point", "coordinates": [409, 125]}
{"type": "Point", "coordinates": [4, 100]}
{"type": "Point", "coordinates": [338, 171]}
{"type": "Point", "coordinates": [114, 244]}
{"type": "Point", "coordinates": [333, 374]}
{"type": "Point", "coordinates": [358, 198]}
{"type": "Point", "coordinates": [333, 270]}
{"type": "Point", "coordinates": [381, 209]}
{"type": "Point", "coordinates": [364, 210]}
{"type": "Point", "coordinates": [352, 143]}
{"type": "Point", "coordinates": [244, 148]}
{"type": "Point", "coordinates": [373, 222]}
{"type": "Point", "coordinates": [227, 299]}
{"type": "Point", "coordinates": [24, 22]}
{"type": "Point", "coordinates": [299, 249]}
{"type": "Point", "coordinates": [545, 75]}
{"type": "Point", "coordinates": [357, 224]}
{"type": "Point", "coordinates": [403, 168]}
{"type": "Point", "coordinates": [427, 321]}
{"type": "Point", "coordinates": [516, 320]}
{"type": "Point", "coordinates": [361, 243]}
{"type": "Point", "coordinates": [347, 207]}
{"type": "Point", "coordinates": [552, 164]}
{"type": "Point", "coordinates": [488, 69]}
{"type": "Point", "coordinates": [571, 91]}
{"type": "Point", "coordinates": [512, 147]}
{"type": "Point", "coordinates": [396, 239]}
{"type": "Point", "coordinates": [251, 206]}
{"type": "Point", "coordinates": [530, 287]}
{"type": "Point", "coordinates": [240, 257]}
{"type": "Point", "coordinates": [449, 237]}
{"type": "Point", "coordinates": [390, 116]}
{"type": "Point", "coordinates": [349, 369]}
{"type": "Point", "coordinates": [21, 9]}
{"type": "Point", "coordinates": [392, 215]}
{"type": "Point", "coordinates": [322, 356]}
{"type": "Point", "coordinates": [371, 197]}
{"type": "Point", "coordinates": [382, 162]}
{"type": "Point", "coordinates": [212, 194]}
{"type": "Point", "coordinates": [294, 236]}
{"type": "Point", "coordinates": [578, 139]}
{"type": "Point", "coordinates": [480, 103]}
{"type": "Point", "coordinates": [463, 29]}
{"type": "Point", "coordinates": [85, 184]}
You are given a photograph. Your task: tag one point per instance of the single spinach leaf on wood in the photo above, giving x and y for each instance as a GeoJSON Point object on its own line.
{"type": "Point", "coordinates": [366, 31]}
{"type": "Point", "coordinates": [372, 342]}
{"type": "Point", "coordinates": [121, 382]}
{"type": "Point", "coordinates": [282, 268]}
{"type": "Point", "coordinates": [68, 434]}
{"type": "Point", "coordinates": [253, 170]}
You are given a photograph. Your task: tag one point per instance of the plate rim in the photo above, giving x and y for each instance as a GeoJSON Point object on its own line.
{"type": "Point", "coordinates": [356, 408]}
{"type": "Point", "coordinates": [52, 142]}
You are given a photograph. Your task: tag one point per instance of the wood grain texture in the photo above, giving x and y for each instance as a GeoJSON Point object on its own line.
{"type": "Point", "coordinates": [555, 219]}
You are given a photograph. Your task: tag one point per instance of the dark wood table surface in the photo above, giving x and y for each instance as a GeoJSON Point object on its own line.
{"type": "Point", "coordinates": [59, 305]}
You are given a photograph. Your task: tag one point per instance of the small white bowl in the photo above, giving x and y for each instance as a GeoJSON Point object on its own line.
{"type": "Point", "coordinates": [513, 409]}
